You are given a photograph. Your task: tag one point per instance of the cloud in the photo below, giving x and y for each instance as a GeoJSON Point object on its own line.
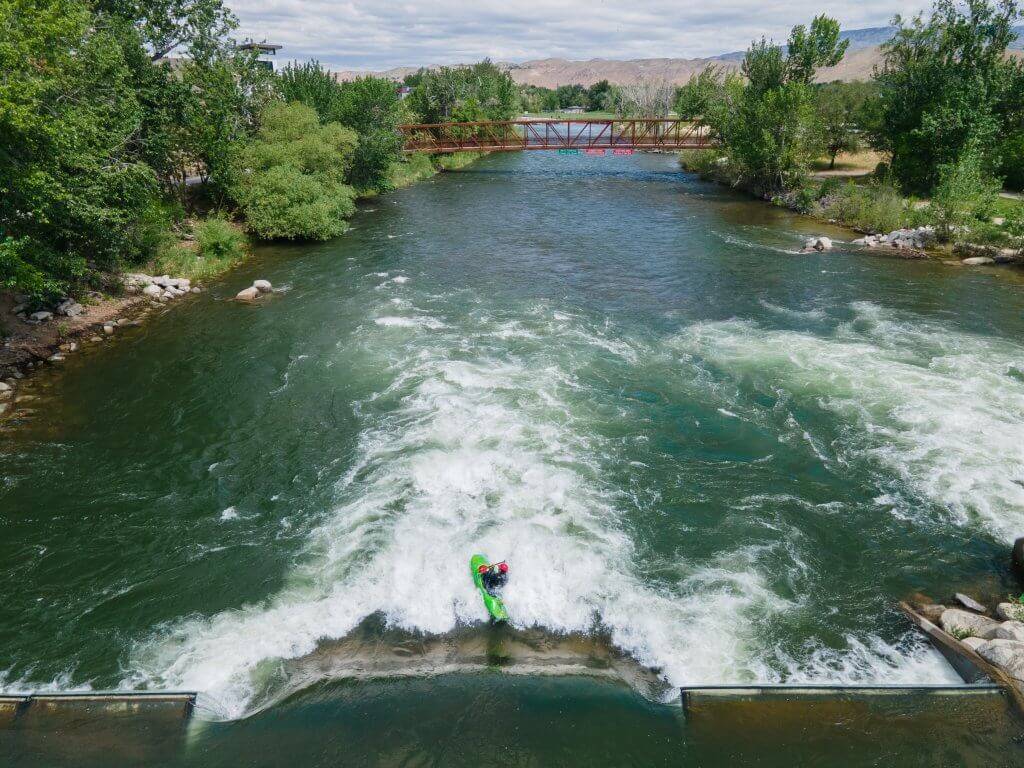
{"type": "Point", "coordinates": [379, 34]}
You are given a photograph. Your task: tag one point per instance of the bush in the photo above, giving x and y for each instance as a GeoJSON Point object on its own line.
{"type": "Point", "coordinates": [291, 177]}
{"type": "Point", "coordinates": [218, 238]}
{"type": "Point", "coordinates": [867, 207]}
{"type": "Point", "coordinates": [219, 246]}
{"type": "Point", "coordinates": [964, 195]}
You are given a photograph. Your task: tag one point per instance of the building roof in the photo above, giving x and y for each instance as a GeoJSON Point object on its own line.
{"type": "Point", "coordinates": [264, 47]}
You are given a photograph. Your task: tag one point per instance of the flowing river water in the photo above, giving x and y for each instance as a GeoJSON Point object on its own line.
{"type": "Point", "coordinates": [707, 458]}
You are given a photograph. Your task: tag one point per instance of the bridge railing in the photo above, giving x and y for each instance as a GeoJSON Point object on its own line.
{"type": "Point", "coordinates": [519, 135]}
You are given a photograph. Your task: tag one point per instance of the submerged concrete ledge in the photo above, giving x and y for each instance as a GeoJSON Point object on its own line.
{"type": "Point", "coordinates": [15, 706]}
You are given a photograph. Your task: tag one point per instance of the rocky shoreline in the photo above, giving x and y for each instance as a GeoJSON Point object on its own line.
{"type": "Point", "coordinates": [976, 631]}
{"type": "Point", "coordinates": [920, 243]}
{"type": "Point", "coordinates": [47, 337]}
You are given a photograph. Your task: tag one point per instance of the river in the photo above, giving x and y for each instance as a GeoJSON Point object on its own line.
{"type": "Point", "coordinates": [707, 458]}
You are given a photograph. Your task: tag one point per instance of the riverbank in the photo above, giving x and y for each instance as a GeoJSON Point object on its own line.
{"type": "Point", "coordinates": [47, 336]}
{"type": "Point", "coordinates": [890, 224]}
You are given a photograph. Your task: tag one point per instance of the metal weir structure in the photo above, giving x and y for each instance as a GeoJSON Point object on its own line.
{"type": "Point", "coordinates": [583, 134]}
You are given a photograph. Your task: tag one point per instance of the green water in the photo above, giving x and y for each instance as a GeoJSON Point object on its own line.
{"type": "Point", "coordinates": [707, 459]}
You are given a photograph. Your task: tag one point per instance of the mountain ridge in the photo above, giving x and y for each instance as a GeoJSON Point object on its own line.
{"type": "Point", "coordinates": [863, 55]}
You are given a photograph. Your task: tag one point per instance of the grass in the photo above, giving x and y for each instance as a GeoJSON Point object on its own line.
{"type": "Point", "coordinates": [219, 245]}
{"type": "Point", "coordinates": [418, 166]}
{"type": "Point", "coordinates": [1008, 207]}
{"type": "Point", "coordinates": [863, 162]}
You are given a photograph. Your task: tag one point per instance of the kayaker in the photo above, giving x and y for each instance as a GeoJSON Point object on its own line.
{"type": "Point", "coordinates": [493, 576]}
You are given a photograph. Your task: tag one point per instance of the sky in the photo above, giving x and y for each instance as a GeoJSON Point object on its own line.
{"type": "Point", "coordinates": [380, 34]}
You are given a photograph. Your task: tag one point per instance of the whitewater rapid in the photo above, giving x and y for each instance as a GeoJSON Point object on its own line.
{"type": "Point", "coordinates": [483, 438]}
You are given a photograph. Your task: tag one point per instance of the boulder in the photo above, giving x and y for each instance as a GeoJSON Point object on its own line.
{"type": "Point", "coordinates": [70, 308]}
{"type": "Point", "coordinates": [974, 643]}
{"type": "Point", "coordinates": [4, 387]}
{"type": "Point", "coordinates": [932, 612]}
{"type": "Point", "coordinates": [56, 358]}
{"type": "Point", "coordinates": [978, 261]}
{"type": "Point", "coordinates": [1006, 654]}
{"type": "Point", "coordinates": [196, 289]}
{"type": "Point", "coordinates": [970, 603]}
{"type": "Point", "coordinates": [1009, 630]}
{"type": "Point", "coordinates": [1006, 256]}
{"type": "Point", "coordinates": [108, 329]}
{"type": "Point", "coordinates": [1010, 611]}
{"type": "Point", "coordinates": [41, 316]}
{"type": "Point", "coordinates": [1017, 556]}
{"type": "Point", "coordinates": [818, 244]}
{"type": "Point", "coordinates": [957, 621]}
{"type": "Point", "coordinates": [248, 294]}
{"type": "Point", "coordinates": [152, 290]}
{"type": "Point", "coordinates": [263, 286]}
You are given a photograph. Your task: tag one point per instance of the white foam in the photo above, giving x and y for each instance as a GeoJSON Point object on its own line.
{"type": "Point", "coordinates": [229, 514]}
{"type": "Point", "coordinates": [392, 321]}
{"type": "Point", "coordinates": [483, 455]}
{"type": "Point", "coordinates": [938, 409]}
{"type": "Point", "coordinates": [491, 451]}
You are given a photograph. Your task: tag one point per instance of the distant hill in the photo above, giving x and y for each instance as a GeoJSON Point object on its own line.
{"type": "Point", "coordinates": [860, 60]}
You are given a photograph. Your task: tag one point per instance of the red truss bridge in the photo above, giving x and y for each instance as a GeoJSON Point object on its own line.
{"type": "Point", "coordinates": [518, 135]}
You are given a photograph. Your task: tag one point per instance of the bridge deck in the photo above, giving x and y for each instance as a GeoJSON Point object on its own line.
{"type": "Point", "coordinates": [520, 135]}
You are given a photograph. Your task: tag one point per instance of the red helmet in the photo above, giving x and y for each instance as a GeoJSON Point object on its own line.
{"type": "Point", "coordinates": [482, 569]}
{"type": "Point", "coordinates": [503, 567]}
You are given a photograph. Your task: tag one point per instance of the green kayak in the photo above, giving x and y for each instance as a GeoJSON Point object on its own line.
{"type": "Point", "coordinates": [492, 602]}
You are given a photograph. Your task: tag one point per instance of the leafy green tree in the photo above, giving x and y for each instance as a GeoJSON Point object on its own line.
{"type": "Point", "coordinates": [369, 105]}
{"type": "Point", "coordinates": [372, 107]}
{"type": "Point", "coordinates": [290, 180]}
{"type": "Point", "coordinates": [701, 91]}
{"type": "Point", "coordinates": [482, 90]}
{"type": "Point", "coordinates": [73, 197]}
{"type": "Point", "coordinates": [599, 96]}
{"type": "Point", "coordinates": [768, 121]}
{"type": "Point", "coordinates": [840, 114]}
{"type": "Point", "coordinates": [312, 85]}
{"type": "Point", "coordinates": [810, 49]}
{"type": "Point", "coordinates": [571, 96]}
{"type": "Point", "coordinates": [195, 26]}
{"type": "Point", "coordinates": [946, 84]}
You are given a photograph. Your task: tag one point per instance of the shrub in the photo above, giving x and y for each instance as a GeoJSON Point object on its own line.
{"type": "Point", "coordinates": [964, 194]}
{"type": "Point", "coordinates": [291, 177]}
{"type": "Point", "coordinates": [219, 246]}
{"type": "Point", "coordinates": [218, 238]}
{"type": "Point", "coordinates": [867, 207]}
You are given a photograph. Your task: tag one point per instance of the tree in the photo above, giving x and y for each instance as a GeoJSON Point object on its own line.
{"type": "Point", "coordinates": [946, 84]}
{"type": "Point", "coordinates": [599, 96]}
{"type": "Point", "coordinates": [645, 98]}
{"type": "Point", "coordinates": [696, 97]}
{"type": "Point", "coordinates": [369, 105]}
{"type": "Point", "coordinates": [166, 25]}
{"type": "Point", "coordinates": [290, 180]}
{"type": "Point", "coordinates": [767, 121]}
{"type": "Point", "coordinates": [73, 197]}
{"type": "Point", "coordinates": [812, 48]}
{"type": "Point", "coordinates": [481, 91]}
{"type": "Point", "coordinates": [840, 111]}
